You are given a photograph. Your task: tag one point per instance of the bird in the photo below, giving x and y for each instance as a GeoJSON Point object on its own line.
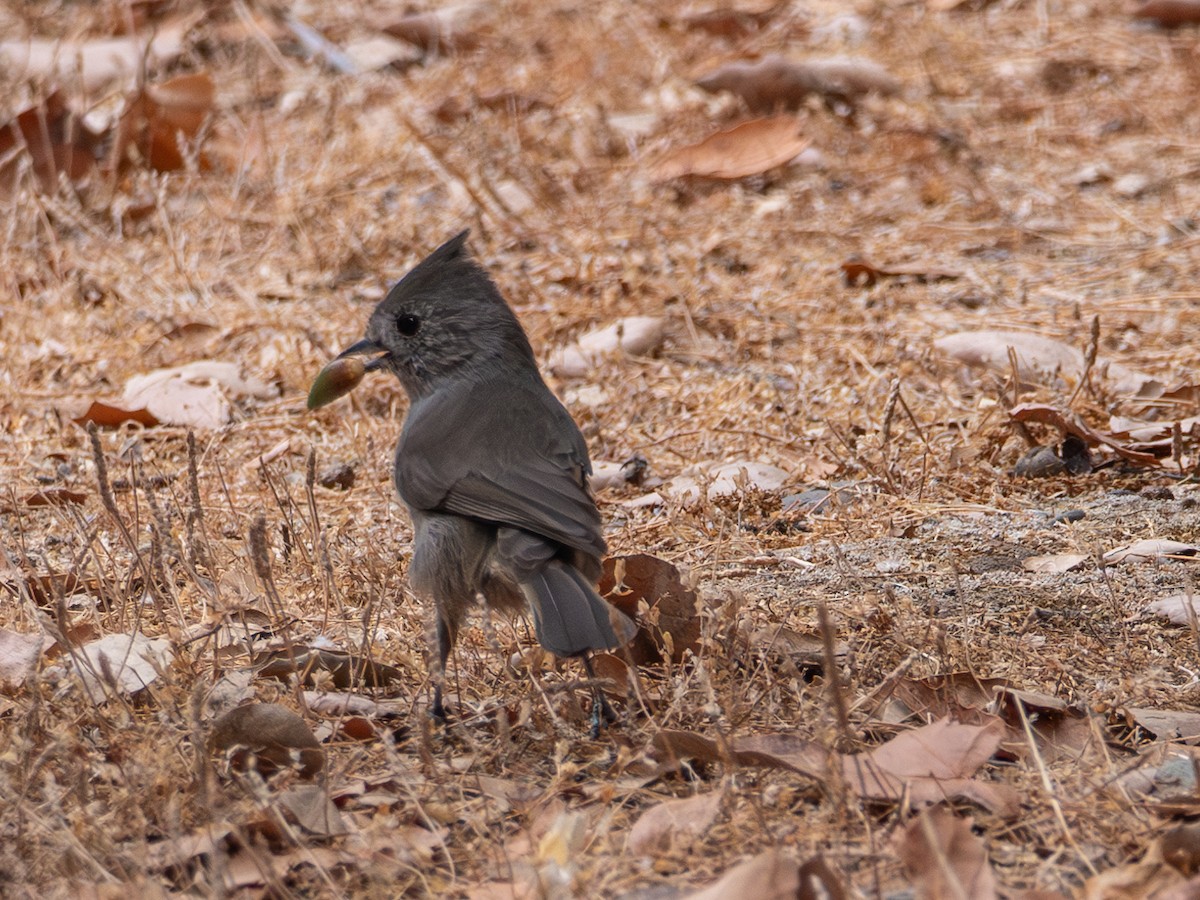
{"type": "Point", "coordinates": [491, 466]}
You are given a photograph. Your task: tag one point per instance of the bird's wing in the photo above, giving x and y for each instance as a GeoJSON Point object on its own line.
{"type": "Point", "coordinates": [502, 451]}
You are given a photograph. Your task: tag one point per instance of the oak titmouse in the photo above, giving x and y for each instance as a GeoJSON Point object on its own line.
{"type": "Point", "coordinates": [491, 466]}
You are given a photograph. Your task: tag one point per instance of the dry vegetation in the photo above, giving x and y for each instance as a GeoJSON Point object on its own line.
{"type": "Point", "coordinates": [1044, 154]}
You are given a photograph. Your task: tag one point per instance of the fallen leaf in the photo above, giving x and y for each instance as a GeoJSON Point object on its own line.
{"type": "Point", "coordinates": [1175, 608]}
{"type": "Point", "coordinates": [1169, 13]}
{"type": "Point", "coordinates": [107, 416]}
{"type": "Point", "coordinates": [194, 395]}
{"type": "Point", "coordinates": [94, 62]}
{"type": "Point", "coordinates": [345, 670]}
{"type": "Point", "coordinates": [775, 83]}
{"type": "Point", "coordinates": [944, 858]}
{"type": "Point", "coordinates": [55, 497]}
{"type": "Point", "coordinates": [162, 118]}
{"type": "Point", "coordinates": [123, 662]}
{"type": "Point", "coordinates": [671, 624]}
{"type": "Point", "coordinates": [631, 336]}
{"type": "Point", "coordinates": [310, 807]}
{"type": "Point", "coordinates": [670, 821]}
{"type": "Point", "coordinates": [731, 22]}
{"type": "Point", "coordinates": [1054, 563]}
{"type": "Point", "coordinates": [55, 141]}
{"type": "Point", "coordinates": [19, 655]}
{"type": "Point", "coordinates": [713, 480]}
{"type": "Point", "coordinates": [443, 30]}
{"type": "Point", "coordinates": [1070, 423]}
{"type": "Point", "coordinates": [772, 875]}
{"type": "Point", "coordinates": [750, 148]}
{"type": "Point", "coordinates": [1166, 724]}
{"type": "Point", "coordinates": [860, 272]}
{"type": "Point", "coordinates": [1150, 550]}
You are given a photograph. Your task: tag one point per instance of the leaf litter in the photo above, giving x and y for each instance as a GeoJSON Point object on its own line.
{"type": "Point", "coordinates": [912, 663]}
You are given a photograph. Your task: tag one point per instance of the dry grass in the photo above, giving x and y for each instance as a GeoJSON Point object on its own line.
{"type": "Point", "coordinates": [346, 181]}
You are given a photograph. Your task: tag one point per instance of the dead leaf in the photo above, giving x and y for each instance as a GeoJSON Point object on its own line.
{"type": "Point", "coordinates": [194, 395]}
{"type": "Point", "coordinates": [94, 62]}
{"type": "Point", "coordinates": [1070, 423]}
{"type": "Point", "coordinates": [750, 148]}
{"type": "Point", "coordinates": [19, 656]}
{"type": "Point", "coordinates": [345, 670]}
{"type": "Point", "coordinates": [631, 336]}
{"type": "Point", "coordinates": [731, 22]}
{"type": "Point", "coordinates": [123, 662]}
{"type": "Point", "coordinates": [55, 497]}
{"type": "Point", "coordinates": [107, 416]}
{"type": "Point", "coordinates": [55, 141]}
{"type": "Point", "coordinates": [724, 479]}
{"type": "Point", "coordinates": [1175, 608]}
{"type": "Point", "coordinates": [267, 737]}
{"type": "Point", "coordinates": [1149, 551]}
{"type": "Point", "coordinates": [1167, 724]}
{"type": "Point", "coordinates": [672, 821]}
{"type": "Point", "coordinates": [444, 30]}
{"type": "Point", "coordinates": [774, 82]}
{"type": "Point", "coordinates": [1180, 848]}
{"type": "Point", "coordinates": [162, 119]}
{"type": "Point", "coordinates": [310, 807]}
{"type": "Point", "coordinates": [1039, 359]}
{"type": "Point", "coordinates": [772, 875]}
{"type": "Point", "coordinates": [1169, 13]}
{"type": "Point", "coordinates": [860, 272]}
{"type": "Point", "coordinates": [944, 858]}
{"type": "Point", "coordinates": [671, 625]}
{"type": "Point", "coordinates": [1054, 563]}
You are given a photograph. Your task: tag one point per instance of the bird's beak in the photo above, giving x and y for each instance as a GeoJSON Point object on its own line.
{"type": "Point", "coordinates": [363, 348]}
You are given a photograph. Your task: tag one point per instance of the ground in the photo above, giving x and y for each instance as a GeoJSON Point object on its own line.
{"type": "Point", "coordinates": [1030, 167]}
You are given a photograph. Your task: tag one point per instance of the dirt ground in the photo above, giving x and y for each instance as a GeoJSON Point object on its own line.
{"type": "Point", "coordinates": [1025, 167]}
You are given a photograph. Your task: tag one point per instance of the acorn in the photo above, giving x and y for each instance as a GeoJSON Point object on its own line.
{"type": "Point", "coordinates": [336, 380]}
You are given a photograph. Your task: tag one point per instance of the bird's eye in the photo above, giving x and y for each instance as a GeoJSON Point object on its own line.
{"type": "Point", "coordinates": [408, 325]}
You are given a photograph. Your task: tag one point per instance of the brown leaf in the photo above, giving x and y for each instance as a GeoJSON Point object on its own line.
{"type": "Point", "coordinates": [1070, 423]}
{"type": "Point", "coordinates": [731, 22]}
{"type": "Point", "coordinates": [1054, 563]}
{"type": "Point", "coordinates": [1169, 13]}
{"type": "Point", "coordinates": [19, 655]}
{"type": "Point", "coordinates": [107, 416]}
{"type": "Point", "coordinates": [1167, 724]}
{"type": "Point", "coordinates": [345, 669]}
{"type": "Point", "coordinates": [267, 737]}
{"type": "Point", "coordinates": [772, 875]}
{"type": "Point", "coordinates": [55, 497]}
{"type": "Point", "coordinates": [444, 30]}
{"type": "Point", "coordinates": [161, 119]}
{"type": "Point", "coordinates": [860, 272]}
{"type": "Point", "coordinates": [672, 622]}
{"type": "Point", "coordinates": [664, 823]}
{"type": "Point", "coordinates": [95, 61]}
{"type": "Point", "coordinates": [750, 148]}
{"type": "Point", "coordinates": [309, 806]}
{"type": "Point", "coordinates": [774, 82]}
{"type": "Point", "coordinates": [944, 858]}
{"type": "Point", "coordinates": [1060, 729]}
{"type": "Point", "coordinates": [55, 140]}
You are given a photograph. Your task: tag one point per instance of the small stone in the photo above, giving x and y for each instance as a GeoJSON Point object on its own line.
{"type": "Point", "coordinates": [338, 476]}
{"type": "Point", "coordinates": [1040, 462]}
{"type": "Point", "coordinates": [1157, 492]}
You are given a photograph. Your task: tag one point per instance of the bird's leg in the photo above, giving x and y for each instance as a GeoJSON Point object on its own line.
{"type": "Point", "coordinates": [445, 641]}
{"type": "Point", "coordinates": [600, 704]}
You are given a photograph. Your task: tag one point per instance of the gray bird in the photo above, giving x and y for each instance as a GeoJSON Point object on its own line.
{"type": "Point", "coordinates": [492, 468]}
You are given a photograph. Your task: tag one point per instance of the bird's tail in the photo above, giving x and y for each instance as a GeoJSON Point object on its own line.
{"type": "Point", "coordinates": [569, 617]}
